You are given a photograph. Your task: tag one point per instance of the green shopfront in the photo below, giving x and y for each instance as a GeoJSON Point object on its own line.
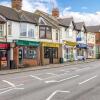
{"type": "Point", "coordinates": [27, 53]}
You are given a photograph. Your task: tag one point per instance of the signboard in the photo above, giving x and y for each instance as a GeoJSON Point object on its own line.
{"type": "Point", "coordinates": [27, 43]}
{"type": "Point", "coordinates": [46, 44]}
{"type": "Point", "coordinates": [70, 43]}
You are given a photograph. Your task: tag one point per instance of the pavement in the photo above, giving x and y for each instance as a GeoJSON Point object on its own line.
{"type": "Point", "coordinates": [4, 72]}
{"type": "Point", "coordinates": [74, 82]}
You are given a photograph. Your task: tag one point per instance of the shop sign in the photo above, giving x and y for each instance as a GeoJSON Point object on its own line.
{"type": "Point", "coordinates": [46, 44]}
{"type": "Point", "coordinates": [27, 43]}
{"type": "Point", "coordinates": [3, 63]}
{"type": "Point", "coordinates": [4, 46]}
{"type": "Point", "coordinates": [70, 43]}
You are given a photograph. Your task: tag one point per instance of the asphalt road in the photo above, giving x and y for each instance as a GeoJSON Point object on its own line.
{"type": "Point", "coordinates": [76, 82]}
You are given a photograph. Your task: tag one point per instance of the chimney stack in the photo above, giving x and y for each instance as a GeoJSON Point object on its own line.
{"type": "Point", "coordinates": [55, 12]}
{"type": "Point", "coordinates": [17, 4]}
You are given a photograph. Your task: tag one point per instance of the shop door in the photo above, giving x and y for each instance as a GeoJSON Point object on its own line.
{"type": "Point", "coordinates": [20, 56]}
{"type": "Point", "coordinates": [51, 55]}
{"type": "Point", "coordinates": [3, 59]}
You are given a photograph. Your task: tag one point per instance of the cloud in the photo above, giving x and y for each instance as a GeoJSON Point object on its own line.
{"type": "Point", "coordinates": [84, 8]}
{"type": "Point", "coordinates": [88, 18]}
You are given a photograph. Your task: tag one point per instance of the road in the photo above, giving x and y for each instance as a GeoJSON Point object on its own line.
{"type": "Point", "coordinates": [75, 82]}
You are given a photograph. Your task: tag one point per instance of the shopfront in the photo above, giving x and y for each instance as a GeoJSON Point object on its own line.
{"type": "Point", "coordinates": [50, 53]}
{"type": "Point", "coordinates": [69, 51]}
{"type": "Point", "coordinates": [91, 50]}
{"type": "Point", "coordinates": [27, 53]}
{"type": "Point", "coordinates": [82, 50]}
{"type": "Point", "coordinates": [4, 56]}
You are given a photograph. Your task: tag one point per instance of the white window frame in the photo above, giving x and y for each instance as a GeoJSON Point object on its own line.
{"type": "Point", "coordinates": [21, 29]}
{"type": "Point", "coordinates": [2, 30]}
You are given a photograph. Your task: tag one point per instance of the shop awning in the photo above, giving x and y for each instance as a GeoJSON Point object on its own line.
{"type": "Point", "coordinates": [27, 43]}
{"type": "Point", "coordinates": [80, 45]}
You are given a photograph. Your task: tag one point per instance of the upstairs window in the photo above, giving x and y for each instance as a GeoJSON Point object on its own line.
{"type": "Point", "coordinates": [30, 31]}
{"type": "Point", "coordinates": [23, 29]}
{"type": "Point", "coordinates": [56, 34]}
{"type": "Point", "coordinates": [1, 30]}
{"type": "Point", "coordinates": [45, 32]}
{"type": "Point", "coordinates": [9, 28]}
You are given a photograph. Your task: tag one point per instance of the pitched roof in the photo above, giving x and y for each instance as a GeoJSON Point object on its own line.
{"type": "Point", "coordinates": [79, 25]}
{"type": "Point", "coordinates": [93, 28]}
{"type": "Point", "coordinates": [20, 16]}
{"type": "Point", "coordinates": [2, 20]}
{"type": "Point", "coordinates": [51, 20]}
{"type": "Point", "coordinates": [65, 21]}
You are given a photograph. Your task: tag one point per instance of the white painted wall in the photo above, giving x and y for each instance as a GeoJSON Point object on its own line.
{"type": "Point", "coordinates": [15, 34]}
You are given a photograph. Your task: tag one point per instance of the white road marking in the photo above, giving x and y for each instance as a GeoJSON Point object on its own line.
{"type": "Point", "coordinates": [11, 84]}
{"type": "Point", "coordinates": [54, 93]}
{"type": "Point", "coordinates": [52, 74]}
{"type": "Point", "coordinates": [87, 80]}
{"type": "Point", "coordinates": [52, 81]}
{"type": "Point", "coordinates": [11, 88]}
{"type": "Point", "coordinates": [35, 77]}
{"type": "Point", "coordinates": [83, 69]}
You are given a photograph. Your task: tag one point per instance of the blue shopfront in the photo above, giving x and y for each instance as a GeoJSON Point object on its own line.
{"type": "Point", "coordinates": [82, 49]}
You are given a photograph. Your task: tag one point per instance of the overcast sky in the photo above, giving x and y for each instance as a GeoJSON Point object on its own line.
{"type": "Point", "coordinates": [81, 10]}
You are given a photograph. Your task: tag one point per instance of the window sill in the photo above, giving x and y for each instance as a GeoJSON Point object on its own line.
{"type": "Point", "coordinates": [26, 37]}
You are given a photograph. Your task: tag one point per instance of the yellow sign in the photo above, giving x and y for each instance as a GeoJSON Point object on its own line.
{"type": "Point", "coordinates": [50, 44]}
{"type": "Point", "coordinates": [70, 43]}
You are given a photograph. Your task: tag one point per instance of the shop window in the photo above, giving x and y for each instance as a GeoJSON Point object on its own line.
{"type": "Point", "coordinates": [45, 32]}
{"type": "Point", "coordinates": [30, 53]}
{"type": "Point", "coordinates": [1, 30]}
{"type": "Point", "coordinates": [23, 29]}
{"type": "Point", "coordinates": [50, 52]}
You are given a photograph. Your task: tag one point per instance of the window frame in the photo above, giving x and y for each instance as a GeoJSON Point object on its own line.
{"type": "Point", "coordinates": [2, 30]}
{"type": "Point", "coordinates": [45, 32]}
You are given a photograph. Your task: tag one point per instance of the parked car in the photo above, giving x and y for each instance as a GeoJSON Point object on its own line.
{"type": "Point", "coordinates": [81, 58]}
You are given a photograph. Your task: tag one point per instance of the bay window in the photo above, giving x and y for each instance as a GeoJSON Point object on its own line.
{"type": "Point", "coordinates": [1, 29]}
{"type": "Point", "coordinates": [9, 28]}
{"type": "Point", "coordinates": [23, 29]}
{"type": "Point", "coordinates": [30, 31]}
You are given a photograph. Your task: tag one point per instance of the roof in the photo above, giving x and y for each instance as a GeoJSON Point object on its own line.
{"type": "Point", "coordinates": [65, 21]}
{"type": "Point", "coordinates": [79, 25]}
{"type": "Point", "coordinates": [93, 28]}
{"type": "Point", "coordinates": [2, 20]}
{"type": "Point", "coordinates": [51, 20]}
{"type": "Point", "coordinates": [14, 15]}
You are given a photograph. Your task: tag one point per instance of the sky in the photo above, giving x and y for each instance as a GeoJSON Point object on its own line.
{"type": "Point", "coordinates": [81, 10]}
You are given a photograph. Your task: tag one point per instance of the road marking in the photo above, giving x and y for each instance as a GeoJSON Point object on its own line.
{"type": "Point", "coordinates": [83, 69]}
{"type": "Point", "coordinates": [54, 93]}
{"type": "Point", "coordinates": [87, 80]}
{"type": "Point", "coordinates": [11, 84]}
{"type": "Point", "coordinates": [11, 88]}
{"type": "Point", "coordinates": [35, 77]}
{"type": "Point", "coordinates": [52, 74]}
{"type": "Point", "coordinates": [52, 81]}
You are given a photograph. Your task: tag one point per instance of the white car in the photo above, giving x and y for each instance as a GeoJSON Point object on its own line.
{"type": "Point", "coordinates": [80, 58]}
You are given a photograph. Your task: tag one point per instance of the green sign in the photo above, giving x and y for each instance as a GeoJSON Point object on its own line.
{"type": "Point", "coordinates": [27, 43]}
